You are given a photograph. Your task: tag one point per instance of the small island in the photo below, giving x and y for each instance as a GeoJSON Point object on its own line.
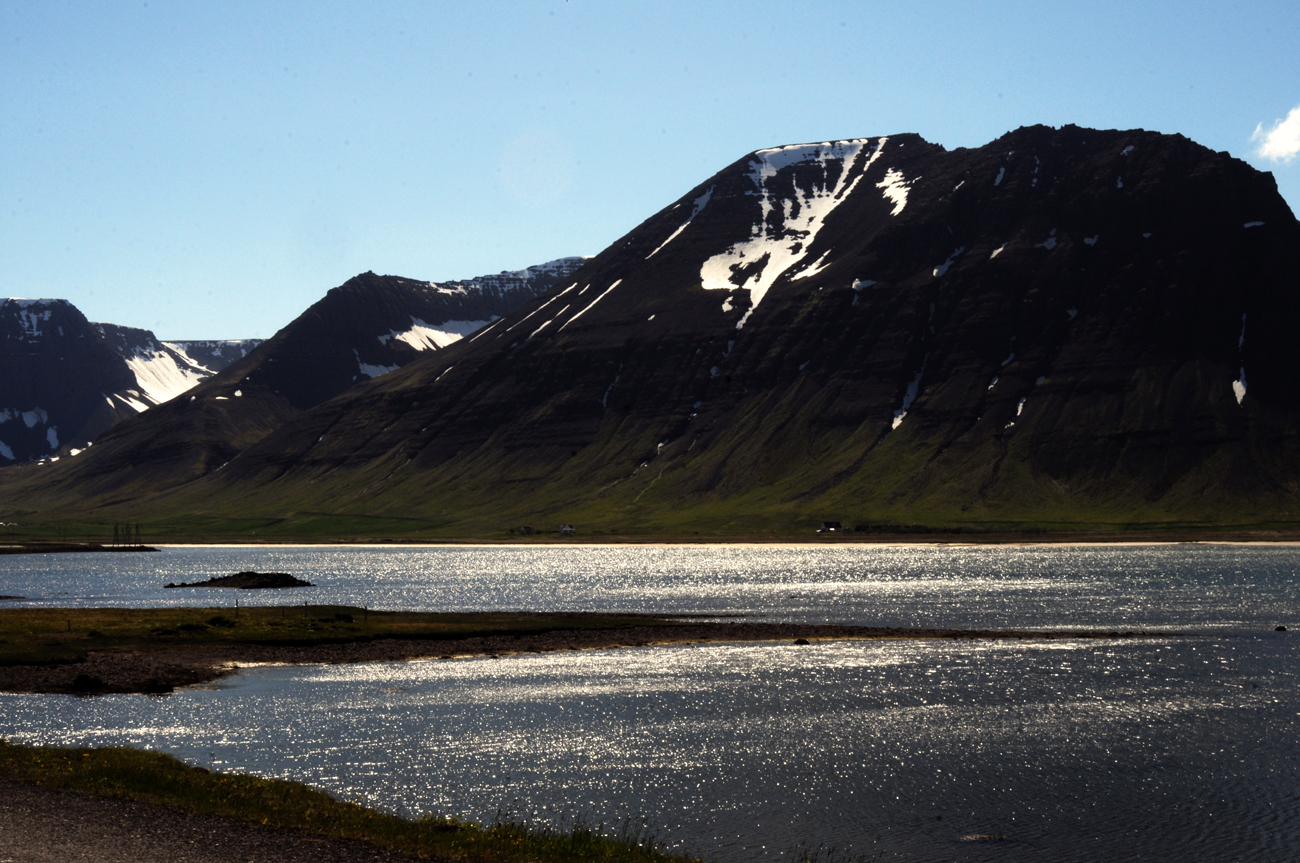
{"type": "Point", "coordinates": [249, 581]}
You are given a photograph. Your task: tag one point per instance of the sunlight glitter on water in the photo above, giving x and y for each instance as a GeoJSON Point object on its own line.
{"type": "Point", "coordinates": [1073, 749]}
{"type": "Point", "coordinates": [1195, 586]}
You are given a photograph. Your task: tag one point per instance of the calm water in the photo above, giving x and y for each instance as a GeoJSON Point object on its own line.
{"type": "Point", "coordinates": [1171, 749]}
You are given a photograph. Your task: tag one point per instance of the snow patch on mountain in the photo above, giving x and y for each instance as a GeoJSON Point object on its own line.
{"type": "Point", "coordinates": [913, 387]}
{"type": "Point", "coordinates": [32, 314]}
{"type": "Point", "coordinates": [816, 267]}
{"type": "Point", "coordinates": [895, 187]}
{"type": "Point", "coordinates": [368, 369]}
{"type": "Point", "coordinates": [160, 377]}
{"type": "Point", "coordinates": [943, 268]}
{"type": "Point", "coordinates": [132, 399]}
{"type": "Point", "coordinates": [509, 281]}
{"type": "Point", "coordinates": [700, 203]}
{"type": "Point", "coordinates": [425, 337]}
{"type": "Point", "coordinates": [588, 308]}
{"type": "Point", "coordinates": [539, 308]}
{"type": "Point", "coordinates": [213, 354]}
{"type": "Point", "coordinates": [788, 227]}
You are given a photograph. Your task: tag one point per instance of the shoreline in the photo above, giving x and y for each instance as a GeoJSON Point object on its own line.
{"type": "Point", "coordinates": [137, 672]}
{"type": "Point", "coordinates": [904, 538]}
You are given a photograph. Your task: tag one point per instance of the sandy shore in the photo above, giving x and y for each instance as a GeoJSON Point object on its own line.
{"type": "Point", "coordinates": [146, 672]}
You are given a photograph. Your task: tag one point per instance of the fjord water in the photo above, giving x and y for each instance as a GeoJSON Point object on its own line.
{"type": "Point", "coordinates": [1159, 749]}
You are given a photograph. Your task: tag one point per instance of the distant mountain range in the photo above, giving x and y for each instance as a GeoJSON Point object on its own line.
{"type": "Point", "coordinates": [1064, 326]}
{"type": "Point", "coordinates": [367, 327]}
{"type": "Point", "coordinates": [64, 380]}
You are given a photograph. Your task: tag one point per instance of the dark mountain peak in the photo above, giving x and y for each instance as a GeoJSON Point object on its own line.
{"type": "Point", "coordinates": [874, 321]}
{"type": "Point", "coordinates": [1063, 324]}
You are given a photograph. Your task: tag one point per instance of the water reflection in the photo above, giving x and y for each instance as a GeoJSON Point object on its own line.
{"type": "Point", "coordinates": [1077, 750]}
{"type": "Point", "coordinates": [1071, 750]}
{"type": "Point", "coordinates": [1225, 588]}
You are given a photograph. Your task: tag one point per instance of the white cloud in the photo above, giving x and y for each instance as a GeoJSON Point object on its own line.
{"type": "Point", "coordinates": [1282, 142]}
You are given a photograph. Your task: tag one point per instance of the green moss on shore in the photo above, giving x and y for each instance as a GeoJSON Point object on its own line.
{"type": "Point", "coordinates": [161, 780]}
{"type": "Point", "coordinates": [53, 636]}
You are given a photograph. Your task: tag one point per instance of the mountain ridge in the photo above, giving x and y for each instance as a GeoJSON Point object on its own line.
{"type": "Point", "coordinates": [1044, 330]}
{"type": "Point", "coordinates": [367, 327]}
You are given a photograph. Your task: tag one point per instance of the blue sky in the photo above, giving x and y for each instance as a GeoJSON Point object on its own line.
{"type": "Point", "coordinates": [208, 170]}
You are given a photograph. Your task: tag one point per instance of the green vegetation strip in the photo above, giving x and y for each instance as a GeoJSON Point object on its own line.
{"type": "Point", "coordinates": [54, 636]}
{"type": "Point", "coordinates": [161, 780]}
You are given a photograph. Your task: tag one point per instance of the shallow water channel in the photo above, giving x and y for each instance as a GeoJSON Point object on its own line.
{"type": "Point", "coordinates": [1164, 749]}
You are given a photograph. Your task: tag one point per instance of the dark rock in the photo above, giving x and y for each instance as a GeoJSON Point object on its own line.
{"type": "Point", "coordinates": [801, 641]}
{"type": "Point", "coordinates": [1279, 629]}
{"type": "Point", "coordinates": [250, 581]}
{"type": "Point", "coordinates": [85, 684]}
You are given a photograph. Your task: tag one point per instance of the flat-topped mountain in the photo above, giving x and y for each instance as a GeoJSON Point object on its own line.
{"type": "Point", "coordinates": [1062, 326]}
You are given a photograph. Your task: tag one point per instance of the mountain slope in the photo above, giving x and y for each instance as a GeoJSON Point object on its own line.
{"type": "Point", "coordinates": [1063, 326]}
{"type": "Point", "coordinates": [364, 328]}
{"type": "Point", "coordinates": [164, 370]}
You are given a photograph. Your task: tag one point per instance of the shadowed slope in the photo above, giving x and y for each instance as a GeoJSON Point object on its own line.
{"type": "Point", "coordinates": [1062, 326]}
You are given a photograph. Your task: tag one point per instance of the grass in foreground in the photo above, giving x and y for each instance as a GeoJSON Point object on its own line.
{"type": "Point", "coordinates": [49, 636]}
{"type": "Point", "coordinates": [161, 780]}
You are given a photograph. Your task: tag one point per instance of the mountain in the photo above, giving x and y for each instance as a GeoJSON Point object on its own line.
{"type": "Point", "coordinates": [65, 380]}
{"type": "Point", "coordinates": [61, 382]}
{"type": "Point", "coordinates": [214, 355]}
{"type": "Point", "coordinates": [367, 327]}
{"type": "Point", "coordinates": [1064, 326]}
{"type": "Point", "coordinates": [164, 370]}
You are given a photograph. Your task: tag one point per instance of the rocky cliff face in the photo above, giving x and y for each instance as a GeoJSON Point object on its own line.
{"type": "Point", "coordinates": [1063, 325]}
